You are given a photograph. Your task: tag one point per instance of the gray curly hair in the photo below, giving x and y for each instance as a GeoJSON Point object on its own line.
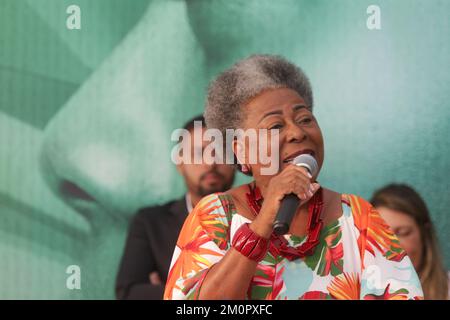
{"type": "Point", "coordinates": [245, 80]}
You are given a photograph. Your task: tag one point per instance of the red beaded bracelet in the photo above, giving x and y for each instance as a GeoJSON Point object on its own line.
{"type": "Point", "coordinates": [250, 244]}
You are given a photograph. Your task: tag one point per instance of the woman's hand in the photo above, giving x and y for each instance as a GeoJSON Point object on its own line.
{"type": "Point", "coordinates": [293, 179]}
{"type": "Point", "coordinates": [237, 269]}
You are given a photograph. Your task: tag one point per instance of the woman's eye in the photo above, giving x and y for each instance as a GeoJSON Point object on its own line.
{"type": "Point", "coordinates": [305, 120]}
{"type": "Point", "coordinates": [403, 234]}
{"type": "Point", "coordinates": [275, 126]}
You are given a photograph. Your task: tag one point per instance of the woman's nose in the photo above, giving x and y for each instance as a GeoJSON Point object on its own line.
{"type": "Point", "coordinates": [295, 133]}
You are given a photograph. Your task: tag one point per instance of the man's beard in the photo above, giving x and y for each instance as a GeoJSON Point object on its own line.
{"type": "Point", "coordinates": [213, 189]}
{"type": "Point", "coordinates": [217, 187]}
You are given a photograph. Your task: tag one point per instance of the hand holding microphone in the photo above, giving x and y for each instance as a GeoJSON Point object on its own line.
{"type": "Point", "coordinates": [290, 202]}
{"type": "Point", "coordinates": [286, 191]}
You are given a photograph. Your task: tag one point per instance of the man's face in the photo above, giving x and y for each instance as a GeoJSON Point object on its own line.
{"type": "Point", "coordinates": [203, 179]}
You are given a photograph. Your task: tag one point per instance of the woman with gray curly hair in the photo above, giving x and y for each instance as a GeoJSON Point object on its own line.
{"type": "Point", "coordinates": [337, 245]}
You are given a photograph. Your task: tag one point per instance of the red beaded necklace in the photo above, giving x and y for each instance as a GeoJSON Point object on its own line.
{"type": "Point", "coordinates": [278, 244]}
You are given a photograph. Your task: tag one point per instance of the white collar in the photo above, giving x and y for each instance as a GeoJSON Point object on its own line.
{"type": "Point", "coordinates": [188, 202]}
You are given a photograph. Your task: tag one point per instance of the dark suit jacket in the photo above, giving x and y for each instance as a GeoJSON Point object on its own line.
{"type": "Point", "coordinates": [151, 240]}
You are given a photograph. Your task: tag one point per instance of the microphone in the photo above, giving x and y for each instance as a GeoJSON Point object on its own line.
{"type": "Point", "coordinates": [290, 202]}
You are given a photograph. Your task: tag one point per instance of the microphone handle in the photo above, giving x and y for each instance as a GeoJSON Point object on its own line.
{"type": "Point", "coordinates": [288, 207]}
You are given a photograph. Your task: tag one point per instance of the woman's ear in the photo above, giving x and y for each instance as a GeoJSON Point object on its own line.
{"type": "Point", "coordinates": [241, 157]}
{"type": "Point", "coordinates": [238, 150]}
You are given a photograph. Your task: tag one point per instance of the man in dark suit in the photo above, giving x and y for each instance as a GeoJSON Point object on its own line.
{"type": "Point", "coordinates": [153, 232]}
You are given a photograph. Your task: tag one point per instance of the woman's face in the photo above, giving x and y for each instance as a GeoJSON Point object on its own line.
{"type": "Point", "coordinates": [407, 232]}
{"type": "Point", "coordinates": [283, 109]}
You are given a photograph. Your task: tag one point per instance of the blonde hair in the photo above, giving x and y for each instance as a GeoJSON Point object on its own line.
{"type": "Point", "coordinates": [432, 273]}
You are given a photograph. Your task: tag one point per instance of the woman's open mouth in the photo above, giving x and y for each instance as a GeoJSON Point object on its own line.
{"type": "Point", "coordinates": [295, 154]}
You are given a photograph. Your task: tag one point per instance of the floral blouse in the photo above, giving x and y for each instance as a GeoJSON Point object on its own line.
{"type": "Point", "coordinates": [358, 257]}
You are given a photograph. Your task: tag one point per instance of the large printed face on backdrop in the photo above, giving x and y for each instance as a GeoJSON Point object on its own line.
{"type": "Point", "coordinates": [106, 148]}
{"type": "Point", "coordinates": [226, 29]}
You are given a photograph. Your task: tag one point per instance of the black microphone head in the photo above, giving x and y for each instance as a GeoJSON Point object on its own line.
{"type": "Point", "coordinates": [307, 161]}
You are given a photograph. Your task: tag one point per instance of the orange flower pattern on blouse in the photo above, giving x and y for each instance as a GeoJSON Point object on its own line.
{"type": "Point", "coordinates": [358, 257]}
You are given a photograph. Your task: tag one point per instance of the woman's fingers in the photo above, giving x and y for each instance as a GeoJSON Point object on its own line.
{"type": "Point", "coordinates": [301, 179]}
{"type": "Point", "coordinates": [309, 193]}
{"type": "Point", "coordinates": [292, 179]}
{"type": "Point", "coordinates": [304, 171]}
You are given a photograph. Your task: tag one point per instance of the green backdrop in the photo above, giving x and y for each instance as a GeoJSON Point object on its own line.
{"type": "Point", "coordinates": [86, 115]}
